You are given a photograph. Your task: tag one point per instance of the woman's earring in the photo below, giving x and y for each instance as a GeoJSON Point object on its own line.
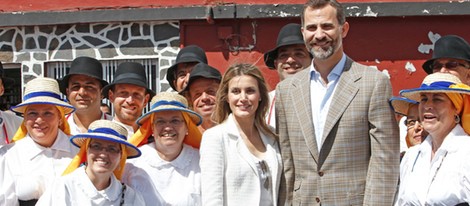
{"type": "Point", "coordinates": [457, 119]}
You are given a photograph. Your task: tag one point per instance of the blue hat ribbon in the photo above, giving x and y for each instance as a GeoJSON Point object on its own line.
{"type": "Point", "coordinates": [171, 103]}
{"type": "Point", "coordinates": [435, 85]}
{"type": "Point", "coordinates": [108, 131]}
{"type": "Point", "coordinates": [42, 94]}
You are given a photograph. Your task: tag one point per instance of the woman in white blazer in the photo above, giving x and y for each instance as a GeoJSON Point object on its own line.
{"type": "Point", "coordinates": [240, 159]}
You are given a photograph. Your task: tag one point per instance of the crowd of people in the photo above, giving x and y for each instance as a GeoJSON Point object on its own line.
{"type": "Point", "coordinates": [327, 135]}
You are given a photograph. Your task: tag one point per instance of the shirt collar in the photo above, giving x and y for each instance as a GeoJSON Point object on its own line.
{"type": "Point", "coordinates": [61, 144]}
{"type": "Point", "coordinates": [450, 143]}
{"type": "Point", "coordinates": [334, 74]}
{"type": "Point", "coordinates": [181, 162]}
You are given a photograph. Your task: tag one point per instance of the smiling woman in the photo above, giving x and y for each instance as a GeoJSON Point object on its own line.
{"type": "Point", "coordinates": [171, 163]}
{"type": "Point", "coordinates": [240, 159]}
{"type": "Point", "coordinates": [41, 150]}
{"type": "Point", "coordinates": [434, 172]}
{"type": "Point", "coordinates": [104, 151]}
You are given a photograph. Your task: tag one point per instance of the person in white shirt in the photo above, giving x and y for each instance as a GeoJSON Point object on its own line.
{"type": "Point", "coordinates": [129, 94]}
{"type": "Point", "coordinates": [171, 163]}
{"type": "Point", "coordinates": [104, 150]}
{"type": "Point", "coordinates": [9, 122]}
{"type": "Point", "coordinates": [240, 158]}
{"type": "Point", "coordinates": [82, 85]}
{"type": "Point", "coordinates": [288, 57]}
{"type": "Point", "coordinates": [41, 148]}
{"type": "Point", "coordinates": [436, 171]}
{"type": "Point", "coordinates": [414, 132]}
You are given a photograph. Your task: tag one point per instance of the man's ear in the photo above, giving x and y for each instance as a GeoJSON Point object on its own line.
{"type": "Point", "coordinates": [110, 95]}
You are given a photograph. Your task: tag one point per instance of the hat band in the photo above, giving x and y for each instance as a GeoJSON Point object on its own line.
{"type": "Point", "coordinates": [107, 131]}
{"type": "Point", "coordinates": [171, 103]}
{"type": "Point", "coordinates": [42, 94]}
{"type": "Point", "coordinates": [439, 84]}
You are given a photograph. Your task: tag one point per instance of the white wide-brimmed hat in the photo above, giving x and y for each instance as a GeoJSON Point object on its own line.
{"type": "Point", "coordinates": [109, 131]}
{"type": "Point", "coordinates": [42, 90]}
{"type": "Point", "coordinates": [437, 83]}
{"type": "Point", "coordinates": [170, 101]}
{"type": "Point", "coordinates": [400, 105]}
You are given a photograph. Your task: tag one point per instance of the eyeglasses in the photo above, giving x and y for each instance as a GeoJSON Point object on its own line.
{"type": "Point", "coordinates": [173, 122]}
{"type": "Point", "coordinates": [266, 174]}
{"type": "Point", "coordinates": [109, 149]}
{"type": "Point", "coordinates": [411, 123]}
{"type": "Point", "coordinates": [449, 65]}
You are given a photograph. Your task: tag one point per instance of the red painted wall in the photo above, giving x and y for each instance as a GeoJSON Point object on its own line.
{"type": "Point", "coordinates": [388, 43]}
{"type": "Point", "coordinates": [74, 5]}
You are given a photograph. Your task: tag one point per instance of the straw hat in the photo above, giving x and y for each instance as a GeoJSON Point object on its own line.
{"type": "Point", "coordinates": [42, 90]}
{"type": "Point", "coordinates": [436, 83]}
{"type": "Point", "coordinates": [170, 101]}
{"type": "Point", "coordinates": [109, 131]}
{"type": "Point", "coordinates": [400, 105]}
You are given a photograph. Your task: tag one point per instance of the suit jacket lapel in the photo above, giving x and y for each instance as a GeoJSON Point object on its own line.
{"type": "Point", "coordinates": [302, 106]}
{"type": "Point", "coordinates": [345, 92]}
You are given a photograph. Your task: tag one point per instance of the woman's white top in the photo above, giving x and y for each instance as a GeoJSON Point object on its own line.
{"type": "Point", "coordinates": [172, 183]}
{"type": "Point", "coordinates": [76, 188]}
{"type": "Point", "coordinates": [443, 181]}
{"type": "Point", "coordinates": [229, 174]}
{"type": "Point", "coordinates": [27, 169]}
{"type": "Point", "coordinates": [9, 124]}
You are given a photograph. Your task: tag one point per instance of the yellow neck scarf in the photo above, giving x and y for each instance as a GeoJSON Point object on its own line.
{"type": "Point", "coordinates": [462, 104]}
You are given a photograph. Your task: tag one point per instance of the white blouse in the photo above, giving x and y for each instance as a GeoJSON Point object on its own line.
{"type": "Point", "coordinates": [174, 183]}
{"type": "Point", "coordinates": [76, 188]}
{"type": "Point", "coordinates": [443, 181]}
{"type": "Point", "coordinates": [27, 169]}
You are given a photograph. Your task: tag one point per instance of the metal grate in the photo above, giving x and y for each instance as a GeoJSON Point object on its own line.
{"type": "Point", "coordinates": [57, 70]}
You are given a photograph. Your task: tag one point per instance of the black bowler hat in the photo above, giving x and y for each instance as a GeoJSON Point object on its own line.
{"type": "Point", "coordinates": [451, 46]}
{"type": "Point", "coordinates": [290, 34]}
{"type": "Point", "coordinates": [129, 73]}
{"type": "Point", "coordinates": [5, 80]}
{"type": "Point", "coordinates": [202, 70]}
{"type": "Point", "coordinates": [191, 53]}
{"type": "Point", "coordinates": [85, 66]}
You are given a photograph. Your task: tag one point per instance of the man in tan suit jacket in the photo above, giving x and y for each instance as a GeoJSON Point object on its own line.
{"type": "Point", "coordinates": [338, 136]}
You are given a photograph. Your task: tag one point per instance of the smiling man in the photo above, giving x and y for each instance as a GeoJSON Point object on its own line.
{"type": "Point", "coordinates": [200, 92]}
{"type": "Point", "coordinates": [82, 86]}
{"type": "Point", "coordinates": [289, 57]}
{"type": "Point", "coordinates": [337, 133]}
{"type": "Point", "coordinates": [129, 94]}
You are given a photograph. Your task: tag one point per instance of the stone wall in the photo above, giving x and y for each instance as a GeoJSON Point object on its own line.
{"type": "Point", "coordinates": [34, 46]}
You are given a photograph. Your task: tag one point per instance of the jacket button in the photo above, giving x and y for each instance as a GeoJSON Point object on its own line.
{"type": "Point", "coordinates": [317, 199]}
{"type": "Point", "coordinates": [321, 174]}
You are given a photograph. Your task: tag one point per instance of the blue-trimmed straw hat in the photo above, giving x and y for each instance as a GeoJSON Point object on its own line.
{"type": "Point", "coordinates": [109, 131]}
{"type": "Point", "coordinates": [436, 83]}
{"type": "Point", "coordinates": [400, 105]}
{"type": "Point", "coordinates": [170, 101]}
{"type": "Point", "coordinates": [42, 90]}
